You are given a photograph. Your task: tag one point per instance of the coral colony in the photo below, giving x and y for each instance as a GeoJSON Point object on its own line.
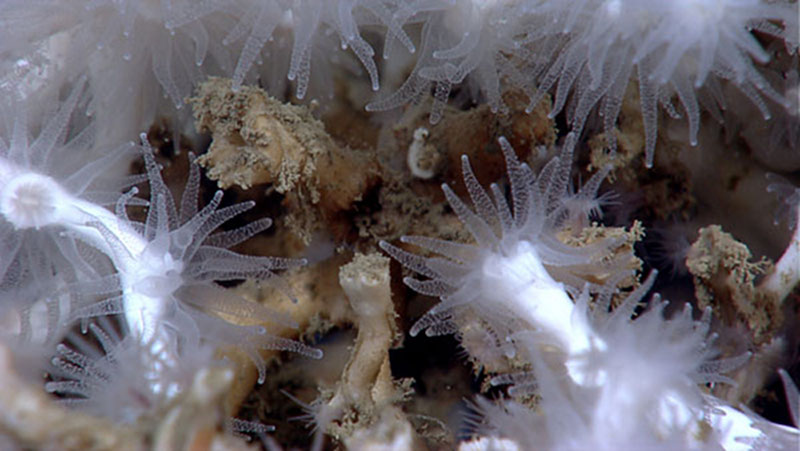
{"type": "Point", "coordinates": [126, 309]}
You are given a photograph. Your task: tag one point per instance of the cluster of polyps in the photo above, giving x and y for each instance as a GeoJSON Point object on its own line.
{"type": "Point", "coordinates": [607, 378]}
{"type": "Point", "coordinates": [160, 275]}
{"type": "Point", "coordinates": [585, 51]}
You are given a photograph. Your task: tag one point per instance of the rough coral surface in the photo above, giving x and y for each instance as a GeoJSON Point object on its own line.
{"type": "Point", "coordinates": [520, 179]}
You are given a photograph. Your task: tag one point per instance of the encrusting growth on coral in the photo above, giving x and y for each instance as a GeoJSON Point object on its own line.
{"type": "Point", "coordinates": [258, 140]}
{"type": "Point", "coordinates": [725, 279]}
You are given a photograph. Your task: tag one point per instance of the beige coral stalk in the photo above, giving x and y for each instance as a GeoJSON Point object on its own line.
{"type": "Point", "coordinates": [366, 386]}
{"type": "Point", "coordinates": [786, 275]}
{"type": "Point", "coordinates": [365, 280]}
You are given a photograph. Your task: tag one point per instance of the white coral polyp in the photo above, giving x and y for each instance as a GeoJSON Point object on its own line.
{"type": "Point", "coordinates": [142, 57]}
{"type": "Point", "coordinates": [517, 275]}
{"type": "Point", "coordinates": [588, 51]}
{"type": "Point", "coordinates": [521, 282]}
{"type": "Point", "coordinates": [637, 386]}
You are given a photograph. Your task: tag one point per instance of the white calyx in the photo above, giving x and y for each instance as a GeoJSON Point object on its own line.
{"type": "Point", "coordinates": [147, 288]}
{"type": "Point", "coordinates": [32, 200]}
{"type": "Point", "coordinates": [521, 282]}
